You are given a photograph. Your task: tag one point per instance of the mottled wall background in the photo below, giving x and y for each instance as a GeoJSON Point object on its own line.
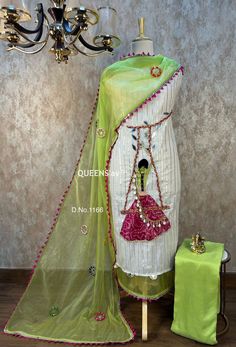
{"type": "Point", "coordinates": [45, 108]}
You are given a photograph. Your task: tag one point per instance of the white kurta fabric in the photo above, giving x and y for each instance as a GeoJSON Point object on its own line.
{"type": "Point", "coordinates": [148, 258]}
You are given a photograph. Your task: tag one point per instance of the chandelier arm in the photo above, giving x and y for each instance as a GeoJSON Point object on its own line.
{"type": "Point", "coordinates": [32, 44]}
{"type": "Point", "coordinates": [26, 52]}
{"type": "Point", "coordinates": [74, 39]}
{"type": "Point", "coordinates": [37, 38]}
{"type": "Point", "coordinates": [36, 41]}
{"type": "Point", "coordinates": [94, 48]}
{"type": "Point", "coordinates": [88, 54]}
{"type": "Point", "coordinates": [40, 18]}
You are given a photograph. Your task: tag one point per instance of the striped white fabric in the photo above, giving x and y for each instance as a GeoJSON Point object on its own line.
{"type": "Point", "coordinates": [148, 258]}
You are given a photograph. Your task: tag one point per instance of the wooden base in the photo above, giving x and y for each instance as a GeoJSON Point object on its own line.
{"type": "Point", "coordinates": [144, 320]}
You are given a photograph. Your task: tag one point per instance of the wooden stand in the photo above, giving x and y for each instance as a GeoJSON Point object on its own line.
{"type": "Point", "coordinates": [144, 320]}
{"type": "Point", "coordinates": [123, 294]}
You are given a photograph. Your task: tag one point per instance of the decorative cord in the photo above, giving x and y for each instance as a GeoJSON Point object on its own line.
{"type": "Point", "coordinates": [151, 125]}
{"type": "Point", "coordinates": [153, 164]}
{"type": "Point", "coordinates": [133, 175]}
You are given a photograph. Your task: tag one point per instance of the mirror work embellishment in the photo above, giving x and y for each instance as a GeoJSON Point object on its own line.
{"type": "Point", "coordinates": [100, 316]}
{"type": "Point", "coordinates": [101, 133]}
{"type": "Point", "coordinates": [54, 311]}
{"type": "Point", "coordinates": [84, 229]}
{"type": "Point", "coordinates": [92, 270]}
{"type": "Point", "coordinates": [156, 71]}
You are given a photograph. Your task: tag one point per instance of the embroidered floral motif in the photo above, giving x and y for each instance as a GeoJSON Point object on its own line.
{"type": "Point", "coordinates": [99, 316]}
{"type": "Point", "coordinates": [101, 132]}
{"type": "Point", "coordinates": [84, 229]}
{"type": "Point", "coordinates": [92, 270]}
{"type": "Point", "coordinates": [156, 71]}
{"type": "Point", "coordinates": [54, 311]}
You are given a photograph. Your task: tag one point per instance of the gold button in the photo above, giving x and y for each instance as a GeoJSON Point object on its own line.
{"type": "Point", "coordinates": [101, 132]}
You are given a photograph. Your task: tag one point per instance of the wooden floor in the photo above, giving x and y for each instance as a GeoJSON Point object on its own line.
{"type": "Point", "coordinates": [12, 285]}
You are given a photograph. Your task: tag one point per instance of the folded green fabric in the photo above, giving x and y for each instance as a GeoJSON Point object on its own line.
{"type": "Point", "coordinates": [197, 285]}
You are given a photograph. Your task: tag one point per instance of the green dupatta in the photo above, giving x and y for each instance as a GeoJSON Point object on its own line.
{"type": "Point", "coordinates": [73, 294]}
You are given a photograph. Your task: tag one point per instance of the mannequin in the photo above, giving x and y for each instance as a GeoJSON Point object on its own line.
{"type": "Point", "coordinates": [142, 44]}
{"type": "Point", "coordinates": [143, 254]}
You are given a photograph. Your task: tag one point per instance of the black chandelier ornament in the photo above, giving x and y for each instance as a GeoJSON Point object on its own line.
{"type": "Point", "coordinates": [68, 23]}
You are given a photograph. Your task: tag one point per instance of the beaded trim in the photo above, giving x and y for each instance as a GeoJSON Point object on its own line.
{"type": "Point", "coordinates": [135, 210]}
{"type": "Point", "coordinates": [136, 55]}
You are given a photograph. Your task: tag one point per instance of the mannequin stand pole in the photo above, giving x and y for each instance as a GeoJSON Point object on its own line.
{"type": "Point", "coordinates": [144, 320]}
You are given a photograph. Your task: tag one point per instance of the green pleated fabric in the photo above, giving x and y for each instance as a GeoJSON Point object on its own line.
{"type": "Point", "coordinates": [197, 286]}
{"type": "Point", "coordinates": [73, 294]}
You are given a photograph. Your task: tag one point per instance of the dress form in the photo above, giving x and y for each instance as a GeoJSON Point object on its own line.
{"type": "Point", "coordinates": [142, 44]}
{"type": "Point", "coordinates": [147, 257]}
{"type": "Point", "coordinates": [151, 259]}
{"type": "Point", "coordinates": [139, 46]}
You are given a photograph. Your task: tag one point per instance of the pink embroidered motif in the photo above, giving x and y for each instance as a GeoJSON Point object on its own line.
{"type": "Point", "coordinates": [99, 316]}
{"type": "Point", "coordinates": [133, 227]}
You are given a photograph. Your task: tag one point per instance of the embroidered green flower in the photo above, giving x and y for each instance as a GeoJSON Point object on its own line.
{"type": "Point", "coordinates": [54, 311]}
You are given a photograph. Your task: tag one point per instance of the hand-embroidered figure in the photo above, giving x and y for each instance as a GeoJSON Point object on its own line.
{"type": "Point", "coordinates": [145, 219]}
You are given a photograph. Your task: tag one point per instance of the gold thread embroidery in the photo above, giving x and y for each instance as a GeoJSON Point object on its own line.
{"type": "Point", "coordinates": [101, 132]}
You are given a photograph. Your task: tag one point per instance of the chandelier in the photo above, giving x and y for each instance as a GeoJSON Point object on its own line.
{"type": "Point", "coordinates": [66, 26]}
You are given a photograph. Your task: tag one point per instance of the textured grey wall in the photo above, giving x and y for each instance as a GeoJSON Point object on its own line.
{"type": "Point", "coordinates": [45, 109]}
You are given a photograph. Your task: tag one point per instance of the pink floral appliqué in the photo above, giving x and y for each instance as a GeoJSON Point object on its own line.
{"type": "Point", "coordinates": [134, 228]}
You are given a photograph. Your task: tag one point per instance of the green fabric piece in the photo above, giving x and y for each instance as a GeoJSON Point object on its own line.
{"type": "Point", "coordinates": [197, 288]}
{"type": "Point", "coordinates": [145, 287]}
{"type": "Point", "coordinates": [74, 280]}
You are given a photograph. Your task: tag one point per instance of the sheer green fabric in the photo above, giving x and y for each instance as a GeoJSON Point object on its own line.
{"type": "Point", "coordinates": [145, 287]}
{"type": "Point", "coordinates": [73, 294]}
